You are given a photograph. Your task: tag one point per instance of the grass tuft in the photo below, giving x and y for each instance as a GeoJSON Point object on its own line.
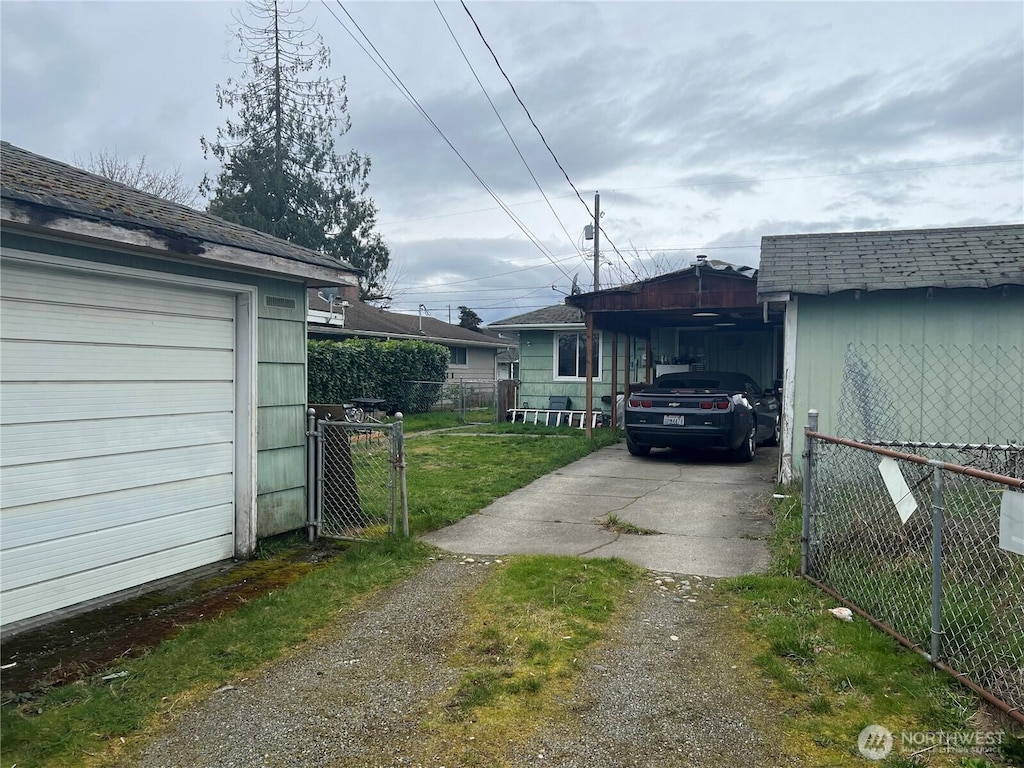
{"type": "Point", "coordinates": [616, 524]}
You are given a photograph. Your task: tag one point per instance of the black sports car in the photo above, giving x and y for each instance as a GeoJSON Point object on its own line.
{"type": "Point", "coordinates": [703, 409]}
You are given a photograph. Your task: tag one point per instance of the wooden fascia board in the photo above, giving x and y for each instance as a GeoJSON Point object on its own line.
{"type": "Point", "coordinates": [103, 234]}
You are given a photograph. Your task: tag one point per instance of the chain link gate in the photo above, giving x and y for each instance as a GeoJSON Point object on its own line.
{"type": "Point", "coordinates": [356, 479]}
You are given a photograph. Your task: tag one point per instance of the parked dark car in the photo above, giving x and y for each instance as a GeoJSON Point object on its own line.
{"type": "Point", "coordinates": [703, 409]}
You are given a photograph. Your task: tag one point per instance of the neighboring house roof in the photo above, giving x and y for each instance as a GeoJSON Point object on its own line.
{"type": "Point", "coordinates": [40, 194]}
{"type": "Point", "coordinates": [959, 257]}
{"type": "Point", "coordinates": [555, 316]}
{"type": "Point", "coordinates": [364, 320]}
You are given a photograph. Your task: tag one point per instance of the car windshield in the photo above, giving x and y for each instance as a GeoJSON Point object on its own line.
{"type": "Point", "coordinates": [677, 381]}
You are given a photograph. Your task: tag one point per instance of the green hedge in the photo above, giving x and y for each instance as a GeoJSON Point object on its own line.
{"type": "Point", "coordinates": [341, 370]}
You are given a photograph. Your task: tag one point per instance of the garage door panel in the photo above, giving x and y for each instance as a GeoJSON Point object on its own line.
{"type": "Point", "coordinates": [71, 555]}
{"type": "Point", "coordinates": [119, 423]}
{"type": "Point", "coordinates": [65, 291]}
{"type": "Point", "coordinates": [31, 401]}
{"type": "Point", "coordinates": [24, 603]}
{"type": "Point", "coordinates": [95, 325]}
{"type": "Point", "coordinates": [35, 523]}
{"type": "Point", "coordinates": [61, 440]}
{"type": "Point", "coordinates": [23, 361]}
{"type": "Point", "coordinates": [35, 483]}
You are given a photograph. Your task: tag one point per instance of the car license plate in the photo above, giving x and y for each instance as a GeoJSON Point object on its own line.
{"type": "Point", "coordinates": [676, 420]}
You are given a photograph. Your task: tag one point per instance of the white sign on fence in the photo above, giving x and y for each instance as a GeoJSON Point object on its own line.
{"type": "Point", "coordinates": [898, 489]}
{"type": "Point", "coordinates": [1011, 522]}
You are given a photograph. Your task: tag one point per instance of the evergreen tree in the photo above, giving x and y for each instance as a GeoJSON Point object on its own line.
{"type": "Point", "coordinates": [280, 172]}
{"type": "Point", "coordinates": [469, 319]}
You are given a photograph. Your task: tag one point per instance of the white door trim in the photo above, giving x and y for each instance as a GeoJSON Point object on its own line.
{"type": "Point", "coordinates": [246, 304]}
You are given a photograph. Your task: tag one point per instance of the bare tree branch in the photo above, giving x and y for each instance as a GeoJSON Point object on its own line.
{"type": "Point", "coordinates": [135, 173]}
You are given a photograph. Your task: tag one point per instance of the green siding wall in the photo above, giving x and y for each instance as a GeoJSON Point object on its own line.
{"type": "Point", "coordinates": [281, 375]}
{"type": "Point", "coordinates": [750, 352]}
{"type": "Point", "coordinates": [952, 363]}
{"type": "Point", "coordinates": [537, 372]}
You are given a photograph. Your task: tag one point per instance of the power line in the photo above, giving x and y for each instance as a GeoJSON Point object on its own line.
{"type": "Point", "coordinates": [539, 131]}
{"type": "Point", "coordinates": [726, 183]}
{"type": "Point", "coordinates": [404, 90]}
{"type": "Point", "coordinates": [503, 125]}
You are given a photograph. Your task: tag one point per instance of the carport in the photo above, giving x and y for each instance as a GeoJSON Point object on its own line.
{"type": "Point", "coordinates": [705, 317]}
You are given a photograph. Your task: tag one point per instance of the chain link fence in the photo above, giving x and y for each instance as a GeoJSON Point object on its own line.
{"type": "Point", "coordinates": [930, 549]}
{"type": "Point", "coordinates": [474, 400]}
{"type": "Point", "coordinates": [357, 480]}
{"type": "Point", "coordinates": [932, 393]}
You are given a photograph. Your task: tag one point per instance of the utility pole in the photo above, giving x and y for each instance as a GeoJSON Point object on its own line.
{"type": "Point", "coordinates": [597, 240]}
{"type": "Point", "coordinates": [450, 319]}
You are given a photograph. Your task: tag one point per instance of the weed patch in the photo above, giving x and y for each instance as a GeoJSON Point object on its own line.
{"type": "Point", "coordinates": [527, 629]}
{"type": "Point", "coordinates": [616, 524]}
{"type": "Point", "coordinates": [832, 678]}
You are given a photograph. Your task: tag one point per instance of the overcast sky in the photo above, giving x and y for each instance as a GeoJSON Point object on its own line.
{"type": "Point", "coordinates": [703, 125]}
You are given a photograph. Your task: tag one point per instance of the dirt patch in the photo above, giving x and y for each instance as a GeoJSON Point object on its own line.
{"type": "Point", "coordinates": [65, 651]}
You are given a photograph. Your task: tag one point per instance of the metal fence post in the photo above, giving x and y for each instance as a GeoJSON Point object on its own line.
{"type": "Point", "coordinates": [311, 493]}
{"type": "Point", "coordinates": [938, 509]}
{"type": "Point", "coordinates": [806, 553]}
{"type": "Point", "coordinates": [399, 438]}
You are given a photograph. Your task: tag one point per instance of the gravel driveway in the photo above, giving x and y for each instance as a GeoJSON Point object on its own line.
{"type": "Point", "coordinates": [665, 690]}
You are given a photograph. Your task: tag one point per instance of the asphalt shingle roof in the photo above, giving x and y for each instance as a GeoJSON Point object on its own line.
{"type": "Point", "coordinates": [29, 178]}
{"type": "Point", "coordinates": [370, 319]}
{"type": "Point", "coordinates": [960, 257]}
{"type": "Point", "coordinates": [559, 314]}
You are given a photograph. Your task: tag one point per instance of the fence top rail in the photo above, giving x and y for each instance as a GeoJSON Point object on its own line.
{"type": "Point", "coordinates": [947, 446]}
{"type": "Point", "coordinates": [1013, 482]}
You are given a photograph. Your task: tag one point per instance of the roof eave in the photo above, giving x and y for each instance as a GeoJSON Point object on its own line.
{"type": "Point", "coordinates": [336, 330]}
{"type": "Point", "coordinates": [537, 326]}
{"type": "Point", "coordinates": [88, 231]}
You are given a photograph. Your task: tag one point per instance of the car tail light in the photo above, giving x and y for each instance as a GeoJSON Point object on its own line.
{"type": "Point", "coordinates": [637, 403]}
{"type": "Point", "coordinates": [706, 405]}
{"type": "Point", "coordinates": [722, 405]}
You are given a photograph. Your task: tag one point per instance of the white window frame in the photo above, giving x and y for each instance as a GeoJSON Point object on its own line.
{"type": "Point", "coordinates": [581, 340]}
{"type": "Point", "coordinates": [451, 363]}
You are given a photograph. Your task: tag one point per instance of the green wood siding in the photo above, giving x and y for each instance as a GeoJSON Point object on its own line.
{"type": "Point", "coordinates": [750, 352]}
{"type": "Point", "coordinates": [281, 372]}
{"type": "Point", "coordinates": [277, 511]}
{"type": "Point", "coordinates": [537, 372]}
{"type": "Point", "coordinates": [281, 426]}
{"type": "Point", "coordinates": [952, 363]}
{"type": "Point", "coordinates": [282, 341]}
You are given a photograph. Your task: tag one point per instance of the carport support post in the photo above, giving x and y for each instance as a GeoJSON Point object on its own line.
{"type": "Point", "coordinates": [590, 369]}
{"type": "Point", "coordinates": [615, 381]}
{"type": "Point", "coordinates": [806, 555]}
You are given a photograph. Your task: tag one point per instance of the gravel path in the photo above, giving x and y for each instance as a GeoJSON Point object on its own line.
{"type": "Point", "coordinates": [664, 690]}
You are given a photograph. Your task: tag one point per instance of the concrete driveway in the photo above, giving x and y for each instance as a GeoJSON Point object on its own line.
{"type": "Point", "coordinates": [708, 513]}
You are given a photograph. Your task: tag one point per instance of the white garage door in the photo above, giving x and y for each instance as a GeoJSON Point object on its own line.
{"type": "Point", "coordinates": [116, 434]}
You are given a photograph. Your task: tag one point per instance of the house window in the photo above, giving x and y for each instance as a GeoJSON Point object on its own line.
{"type": "Point", "coordinates": [459, 356]}
{"type": "Point", "coordinates": [571, 356]}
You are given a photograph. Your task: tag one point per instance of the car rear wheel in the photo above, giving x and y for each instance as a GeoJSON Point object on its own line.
{"type": "Point", "coordinates": [746, 450]}
{"type": "Point", "coordinates": [636, 449]}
